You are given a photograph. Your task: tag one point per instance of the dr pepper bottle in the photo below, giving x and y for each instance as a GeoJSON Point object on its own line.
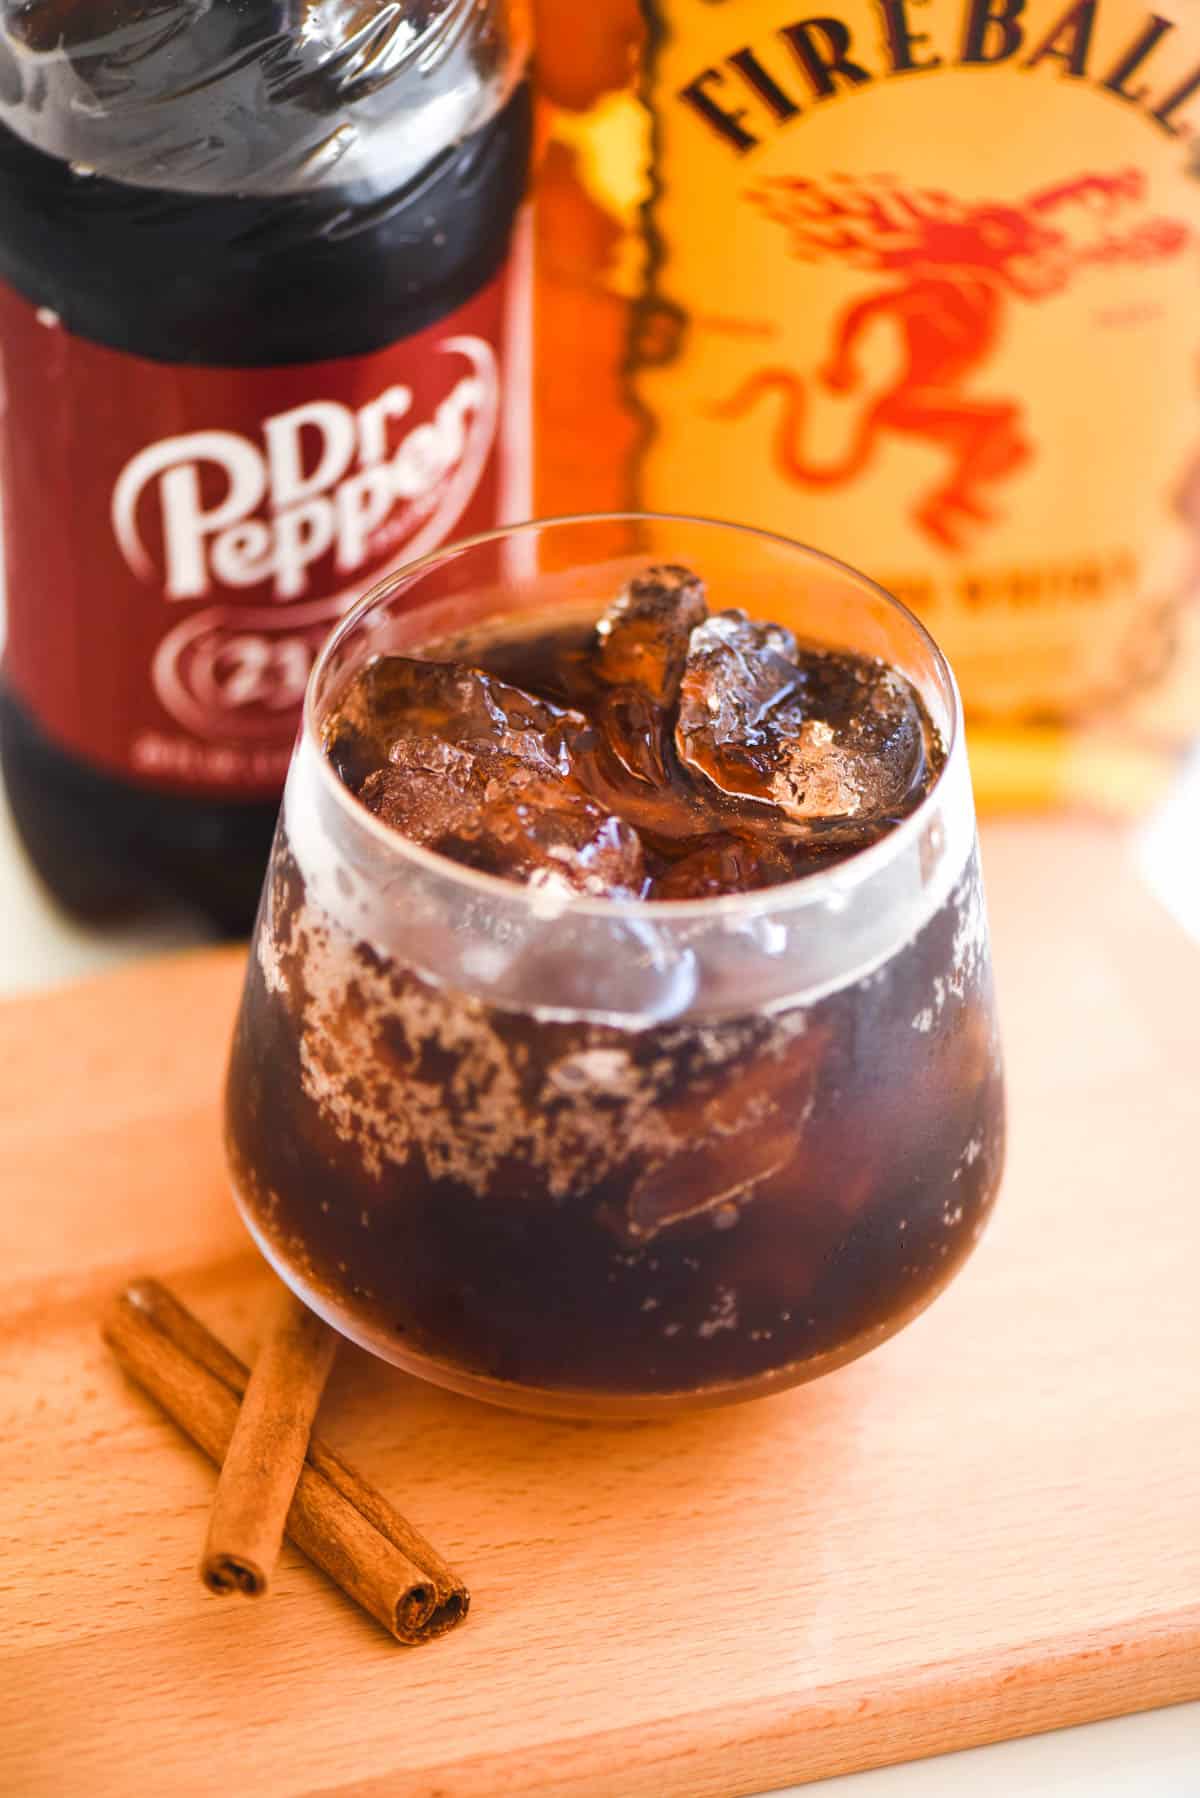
{"type": "Point", "coordinates": [261, 336]}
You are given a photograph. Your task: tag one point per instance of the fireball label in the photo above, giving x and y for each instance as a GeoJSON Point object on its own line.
{"type": "Point", "coordinates": [937, 312]}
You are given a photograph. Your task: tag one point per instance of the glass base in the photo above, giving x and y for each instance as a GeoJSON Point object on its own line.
{"type": "Point", "coordinates": [574, 1403]}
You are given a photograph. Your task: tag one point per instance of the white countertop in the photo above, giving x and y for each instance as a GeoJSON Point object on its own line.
{"type": "Point", "coordinates": [1156, 1755]}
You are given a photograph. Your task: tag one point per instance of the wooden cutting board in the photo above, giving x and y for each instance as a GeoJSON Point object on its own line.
{"type": "Point", "coordinates": [987, 1528]}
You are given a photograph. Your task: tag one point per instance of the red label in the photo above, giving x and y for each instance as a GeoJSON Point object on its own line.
{"type": "Point", "coordinates": [179, 539]}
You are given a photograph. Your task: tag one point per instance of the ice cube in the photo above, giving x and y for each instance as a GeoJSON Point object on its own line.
{"type": "Point", "coordinates": [628, 767]}
{"type": "Point", "coordinates": [500, 814]}
{"type": "Point", "coordinates": [737, 1131]}
{"type": "Point", "coordinates": [716, 1175]}
{"type": "Point", "coordinates": [543, 833]}
{"type": "Point", "coordinates": [422, 792]}
{"type": "Point", "coordinates": [401, 697]}
{"type": "Point", "coordinates": [724, 863]}
{"type": "Point", "coordinates": [479, 770]}
{"type": "Point", "coordinates": [820, 735]}
{"type": "Point", "coordinates": [640, 653]}
{"type": "Point", "coordinates": [629, 975]}
{"type": "Point", "coordinates": [642, 639]}
{"type": "Point", "coordinates": [428, 785]}
{"type": "Point", "coordinates": [633, 728]}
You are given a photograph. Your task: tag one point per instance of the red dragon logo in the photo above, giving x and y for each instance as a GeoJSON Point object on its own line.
{"type": "Point", "coordinates": [957, 267]}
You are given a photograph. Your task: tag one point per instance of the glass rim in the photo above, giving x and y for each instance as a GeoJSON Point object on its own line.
{"type": "Point", "coordinates": [844, 876]}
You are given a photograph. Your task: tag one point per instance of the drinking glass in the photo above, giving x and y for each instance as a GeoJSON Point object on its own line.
{"type": "Point", "coordinates": [605, 1156]}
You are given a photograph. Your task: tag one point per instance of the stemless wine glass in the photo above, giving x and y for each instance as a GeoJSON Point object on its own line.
{"type": "Point", "coordinates": [607, 1156]}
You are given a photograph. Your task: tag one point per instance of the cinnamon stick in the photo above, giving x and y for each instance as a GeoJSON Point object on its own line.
{"type": "Point", "coordinates": [340, 1522]}
{"type": "Point", "coordinates": [270, 1440]}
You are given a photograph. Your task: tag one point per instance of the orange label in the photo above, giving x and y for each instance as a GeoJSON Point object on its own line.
{"type": "Point", "coordinates": [925, 292]}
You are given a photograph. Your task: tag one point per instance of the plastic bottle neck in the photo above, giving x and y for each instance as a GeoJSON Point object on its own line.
{"type": "Point", "coordinates": [259, 97]}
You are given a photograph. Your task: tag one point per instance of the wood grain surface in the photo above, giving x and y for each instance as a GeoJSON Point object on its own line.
{"type": "Point", "coordinates": [987, 1528]}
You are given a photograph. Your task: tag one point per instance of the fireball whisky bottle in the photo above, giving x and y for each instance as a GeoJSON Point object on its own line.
{"type": "Point", "coordinates": [918, 282]}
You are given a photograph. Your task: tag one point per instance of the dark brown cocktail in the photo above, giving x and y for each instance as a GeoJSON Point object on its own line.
{"type": "Point", "coordinates": [619, 1031]}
